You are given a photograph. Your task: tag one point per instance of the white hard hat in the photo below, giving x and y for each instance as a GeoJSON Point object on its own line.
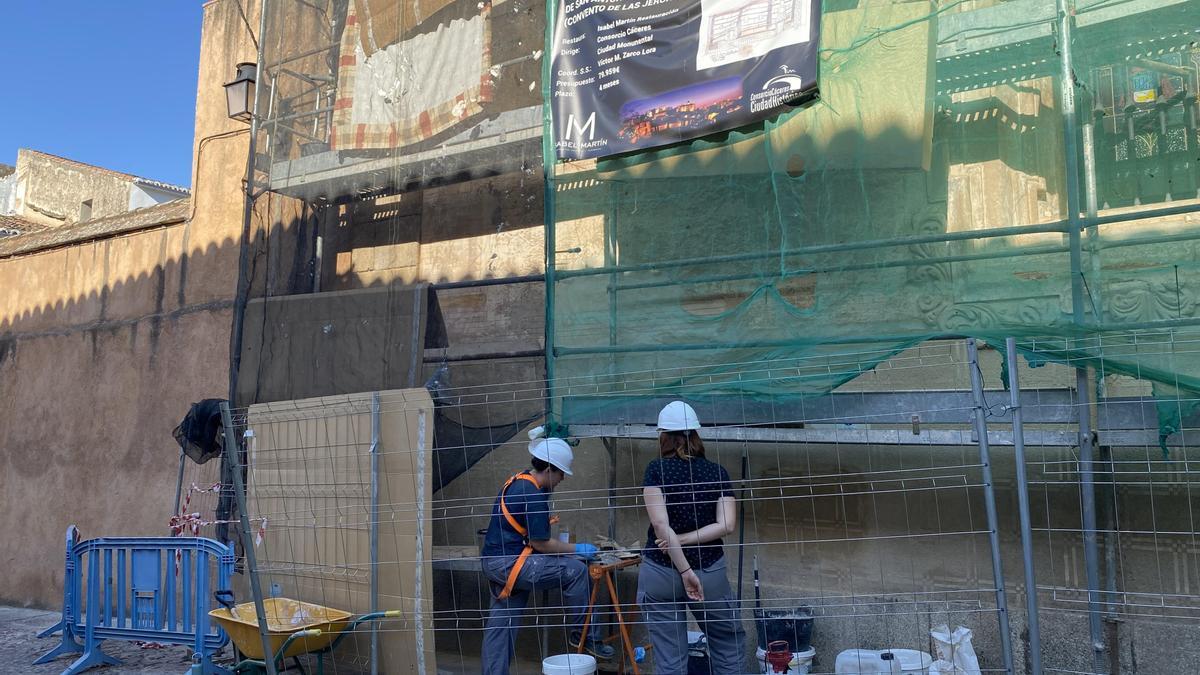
{"type": "Point", "coordinates": [553, 451]}
{"type": "Point", "coordinates": [678, 416]}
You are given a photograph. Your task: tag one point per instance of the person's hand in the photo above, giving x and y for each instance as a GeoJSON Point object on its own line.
{"type": "Point", "coordinates": [664, 544]}
{"type": "Point", "coordinates": [691, 585]}
{"type": "Point", "coordinates": [585, 550]}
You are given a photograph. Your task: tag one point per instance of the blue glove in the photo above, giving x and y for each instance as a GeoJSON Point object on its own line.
{"type": "Point", "coordinates": [585, 550]}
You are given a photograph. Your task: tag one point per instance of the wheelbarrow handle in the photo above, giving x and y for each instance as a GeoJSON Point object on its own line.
{"type": "Point", "coordinates": [225, 598]}
{"type": "Point", "coordinates": [298, 635]}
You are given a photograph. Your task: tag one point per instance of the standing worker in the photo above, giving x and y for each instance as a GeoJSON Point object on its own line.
{"type": "Point", "coordinates": [691, 506]}
{"type": "Point", "coordinates": [519, 556]}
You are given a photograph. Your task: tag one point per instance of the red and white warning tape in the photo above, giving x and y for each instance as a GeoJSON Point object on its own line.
{"type": "Point", "coordinates": [192, 522]}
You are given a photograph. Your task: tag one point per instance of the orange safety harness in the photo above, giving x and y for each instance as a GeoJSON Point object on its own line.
{"type": "Point", "coordinates": [521, 530]}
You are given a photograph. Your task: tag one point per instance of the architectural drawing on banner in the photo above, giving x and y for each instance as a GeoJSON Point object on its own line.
{"type": "Point", "coordinates": [736, 30]}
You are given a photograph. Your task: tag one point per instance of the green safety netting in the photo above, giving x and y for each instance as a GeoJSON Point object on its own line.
{"type": "Point", "coordinates": [937, 188]}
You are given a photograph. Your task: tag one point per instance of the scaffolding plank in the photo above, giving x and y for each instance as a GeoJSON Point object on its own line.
{"type": "Point", "coordinates": [866, 435]}
{"type": "Point", "coordinates": [1041, 406]}
{"type": "Point", "coordinates": [509, 143]}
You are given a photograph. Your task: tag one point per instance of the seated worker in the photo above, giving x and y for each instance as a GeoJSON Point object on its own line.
{"type": "Point", "coordinates": [519, 556]}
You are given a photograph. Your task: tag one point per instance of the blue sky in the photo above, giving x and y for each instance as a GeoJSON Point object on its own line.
{"type": "Point", "coordinates": [107, 83]}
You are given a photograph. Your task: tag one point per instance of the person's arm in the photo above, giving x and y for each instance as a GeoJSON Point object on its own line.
{"type": "Point", "coordinates": [537, 515]}
{"type": "Point", "coordinates": [656, 507]}
{"type": "Point", "coordinates": [551, 546]}
{"type": "Point", "coordinates": [726, 524]}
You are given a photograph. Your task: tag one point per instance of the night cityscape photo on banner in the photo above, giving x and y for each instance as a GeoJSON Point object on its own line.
{"type": "Point", "coordinates": [643, 73]}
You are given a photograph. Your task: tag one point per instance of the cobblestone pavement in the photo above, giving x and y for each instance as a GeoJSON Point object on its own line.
{"type": "Point", "coordinates": [19, 647]}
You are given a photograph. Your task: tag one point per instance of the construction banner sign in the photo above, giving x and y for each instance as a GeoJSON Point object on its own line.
{"type": "Point", "coordinates": [638, 74]}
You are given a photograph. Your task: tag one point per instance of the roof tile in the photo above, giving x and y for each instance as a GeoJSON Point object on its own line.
{"type": "Point", "coordinates": [166, 213]}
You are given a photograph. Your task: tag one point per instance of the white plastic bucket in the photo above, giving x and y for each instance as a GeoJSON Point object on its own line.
{"type": "Point", "coordinates": [799, 665]}
{"type": "Point", "coordinates": [569, 664]}
{"type": "Point", "coordinates": [913, 661]}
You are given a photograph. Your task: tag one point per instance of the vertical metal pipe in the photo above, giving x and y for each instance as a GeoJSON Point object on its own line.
{"type": "Point", "coordinates": [1110, 539]}
{"type": "Point", "coordinates": [179, 483]}
{"type": "Point", "coordinates": [1066, 12]}
{"type": "Point", "coordinates": [742, 520]}
{"type": "Point", "coordinates": [1091, 199]}
{"type": "Point", "coordinates": [374, 530]}
{"type": "Point", "coordinates": [549, 164]}
{"type": "Point", "coordinates": [1087, 498]}
{"type": "Point", "coordinates": [1091, 557]}
{"type": "Point", "coordinates": [1091, 203]}
{"type": "Point", "coordinates": [610, 447]}
{"type": "Point", "coordinates": [319, 212]}
{"type": "Point", "coordinates": [232, 450]}
{"type": "Point", "coordinates": [1034, 667]}
{"type": "Point", "coordinates": [242, 292]}
{"type": "Point", "coordinates": [419, 582]}
{"type": "Point", "coordinates": [989, 501]}
{"type": "Point", "coordinates": [611, 261]}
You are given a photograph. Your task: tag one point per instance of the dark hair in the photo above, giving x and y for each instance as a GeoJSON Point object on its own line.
{"type": "Point", "coordinates": [682, 444]}
{"type": "Point", "coordinates": [541, 464]}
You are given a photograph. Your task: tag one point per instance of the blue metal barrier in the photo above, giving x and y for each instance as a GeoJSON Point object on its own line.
{"type": "Point", "coordinates": [65, 624]}
{"type": "Point", "coordinates": [136, 589]}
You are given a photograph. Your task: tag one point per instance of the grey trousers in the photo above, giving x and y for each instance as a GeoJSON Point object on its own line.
{"type": "Point", "coordinates": [663, 603]}
{"type": "Point", "coordinates": [540, 572]}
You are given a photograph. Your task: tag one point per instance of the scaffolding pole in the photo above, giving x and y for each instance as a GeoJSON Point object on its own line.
{"type": "Point", "coordinates": [549, 167]}
{"type": "Point", "coordinates": [232, 450]}
{"type": "Point", "coordinates": [1091, 554]}
{"type": "Point", "coordinates": [1034, 667]}
{"type": "Point", "coordinates": [989, 500]}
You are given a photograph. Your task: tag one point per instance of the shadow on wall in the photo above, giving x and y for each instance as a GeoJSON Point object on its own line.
{"type": "Point", "coordinates": [95, 381]}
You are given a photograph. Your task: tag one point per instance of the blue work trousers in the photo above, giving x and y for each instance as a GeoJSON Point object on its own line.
{"type": "Point", "coordinates": [540, 572]}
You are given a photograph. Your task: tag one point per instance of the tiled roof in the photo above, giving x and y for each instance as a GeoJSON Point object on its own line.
{"type": "Point", "coordinates": [116, 174]}
{"type": "Point", "coordinates": [162, 186]}
{"type": "Point", "coordinates": [167, 213]}
{"type": "Point", "coordinates": [20, 225]}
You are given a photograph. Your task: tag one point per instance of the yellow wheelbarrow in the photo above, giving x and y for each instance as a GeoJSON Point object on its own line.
{"type": "Point", "coordinates": [294, 628]}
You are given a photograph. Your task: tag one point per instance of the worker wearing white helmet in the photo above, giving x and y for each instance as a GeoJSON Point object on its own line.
{"type": "Point", "coordinates": [519, 556]}
{"type": "Point", "coordinates": [691, 506]}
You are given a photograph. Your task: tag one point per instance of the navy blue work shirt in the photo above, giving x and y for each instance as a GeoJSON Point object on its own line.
{"type": "Point", "coordinates": [691, 489]}
{"type": "Point", "coordinates": [531, 508]}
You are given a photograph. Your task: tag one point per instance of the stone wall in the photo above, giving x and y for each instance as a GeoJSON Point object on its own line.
{"type": "Point", "coordinates": [104, 344]}
{"type": "Point", "coordinates": [51, 190]}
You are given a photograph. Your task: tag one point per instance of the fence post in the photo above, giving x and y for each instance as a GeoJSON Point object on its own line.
{"type": "Point", "coordinates": [1031, 603]}
{"type": "Point", "coordinates": [239, 493]}
{"type": "Point", "coordinates": [374, 531]}
{"type": "Point", "coordinates": [989, 500]}
{"type": "Point", "coordinates": [418, 584]}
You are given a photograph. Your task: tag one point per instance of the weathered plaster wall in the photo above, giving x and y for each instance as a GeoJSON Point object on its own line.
{"type": "Point", "coordinates": [8, 191]}
{"type": "Point", "coordinates": [104, 345]}
{"type": "Point", "coordinates": [51, 189]}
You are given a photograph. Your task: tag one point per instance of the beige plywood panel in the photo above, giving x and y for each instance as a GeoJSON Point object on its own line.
{"type": "Point", "coordinates": [310, 477]}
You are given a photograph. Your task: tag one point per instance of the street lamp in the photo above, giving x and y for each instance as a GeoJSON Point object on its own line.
{"type": "Point", "coordinates": [239, 94]}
